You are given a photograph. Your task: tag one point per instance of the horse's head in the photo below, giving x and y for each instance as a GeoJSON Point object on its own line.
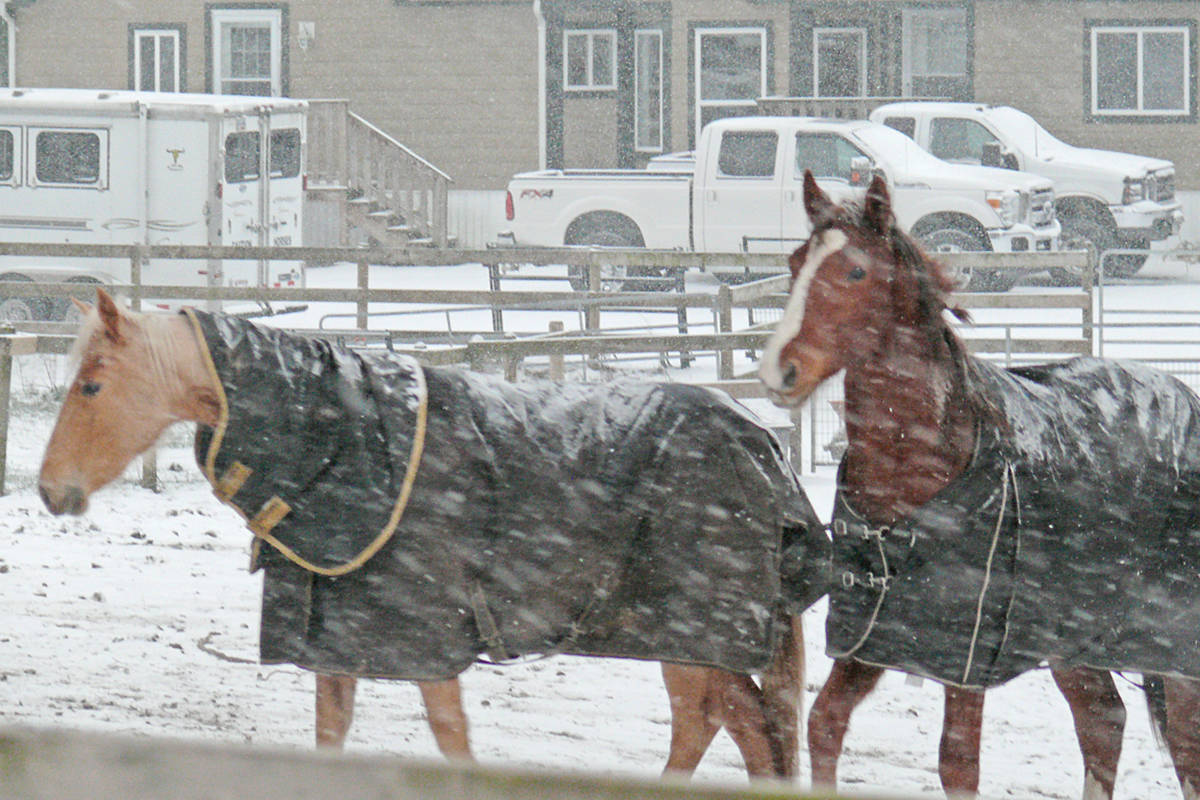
{"type": "Point", "coordinates": [853, 282]}
{"type": "Point", "coordinates": [114, 410]}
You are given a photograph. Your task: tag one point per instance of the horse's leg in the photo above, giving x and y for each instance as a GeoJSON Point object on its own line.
{"type": "Point", "coordinates": [692, 694]}
{"type": "Point", "coordinates": [958, 753]}
{"type": "Point", "coordinates": [447, 719]}
{"type": "Point", "coordinates": [1183, 732]}
{"type": "Point", "coordinates": [335, 709]}
{"type": "Point", "coordinates": [783, 697]}
{"type": "Point", "coordinates": [848, 683]}
{"type": "Point", "coordinates": [1099, 717]}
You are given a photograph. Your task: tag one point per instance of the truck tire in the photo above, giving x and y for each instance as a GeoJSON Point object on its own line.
{"type": "Point", "coordinates": [1091, 234]}
{"type": "Point", "coordinates": [952, 237]}
{"type": "Point", "coordinates": [610, 229]}
{"type": "Point", "coordinates": [22, 309]}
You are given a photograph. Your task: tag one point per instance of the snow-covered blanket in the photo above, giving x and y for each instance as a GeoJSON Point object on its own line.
{"type": "Point", "coordinates": [410, 518]}
{"type": "Point", "coordinates": [1073, 536]}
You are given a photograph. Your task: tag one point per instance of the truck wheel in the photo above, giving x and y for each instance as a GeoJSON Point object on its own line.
{"type": "Point", "coordinates": [1087, 233]}
{"type": "Point", "coordinates": [1126, 265]}
{"type": "Point", "coordinates": [950, 238]}
{"type": "Point", "coordinates": [22, 309]}
{"type": "Point", "coordinates": [610, 229]}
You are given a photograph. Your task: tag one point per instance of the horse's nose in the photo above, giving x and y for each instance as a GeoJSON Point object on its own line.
{"type": "Point", "coordinates": [71, 501]}
{"type": "Point", "coordinates": [788, 377]}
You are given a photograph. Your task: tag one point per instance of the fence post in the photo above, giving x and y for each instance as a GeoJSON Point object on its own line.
{"type": "Point", "coordinates": [557, 362]}
{"type": "Point", "coordinates": [360, 310]}
{"type": "Point", "coordinates": [592, 314]}
{"type": "Point", "coordinates": [494, 285]}
{"type": "Point", "coordinates": [6, 358]}
{"type": "Point", "coordinates": [150, 457]}
{"type": "Point", "coordinates": [724, 325]}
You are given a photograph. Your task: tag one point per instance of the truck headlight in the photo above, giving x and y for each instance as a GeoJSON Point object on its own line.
{"type": "Point", "coordinates": [1135, 190]}
{"type": "Point", "coordinates": [1007, 205]}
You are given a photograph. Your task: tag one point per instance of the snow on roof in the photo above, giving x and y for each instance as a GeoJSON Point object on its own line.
{"type": "Point", "coordinates": [118, 101]}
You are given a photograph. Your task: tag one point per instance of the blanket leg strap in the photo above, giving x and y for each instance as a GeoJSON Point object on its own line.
{"type": "Point", "coordinates": [486, 623]}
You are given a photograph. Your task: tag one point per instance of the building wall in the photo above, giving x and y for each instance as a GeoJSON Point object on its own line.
{"type": "Point", "coordinates": [1038, 66]}
{"type": "Point", "coordinates": [455, 82]}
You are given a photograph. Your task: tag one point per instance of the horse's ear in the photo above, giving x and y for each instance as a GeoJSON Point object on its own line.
{"type": "Point", "coordinates": [877, 208]}
{"type": "Point", "coordinates": [110, 315]}
{"type": "Point", "coordinates": [816, 202]}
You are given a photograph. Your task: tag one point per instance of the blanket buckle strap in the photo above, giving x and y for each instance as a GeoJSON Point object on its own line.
{"type": "Point", "coordinates": [489, 631]}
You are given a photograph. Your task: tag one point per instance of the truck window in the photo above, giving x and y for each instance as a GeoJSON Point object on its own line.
{"type": "Point", "coordinates": [906, 125]}
{"type": "Point", "coordinates": [7, 152]}
{"type": "Point", "coordinates": [747, 154]}
{"type": "Point", "coordinates": [241, 157]}
{"type": "Point", "coordinates": [71, 157]}
{"type": "Point", "coordinates": [960, 140]}
{"type": "Point", "coordinates": [285, 153]}
{"type": "Point", "coordinates": [827, 155]}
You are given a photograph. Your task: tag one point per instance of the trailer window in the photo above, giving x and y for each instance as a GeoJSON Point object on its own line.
{"type": "Point", "coordinates": [7, 152]}
{"type": "Point", "coordinates": [241, 157]}
{"type": "Point", "coordinates": [285, 153]}
{"type": "Point", "coordinates": [71, 157]}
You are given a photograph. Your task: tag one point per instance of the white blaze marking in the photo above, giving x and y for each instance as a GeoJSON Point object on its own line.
{"type": "Point", "coordinates": [793, 315]}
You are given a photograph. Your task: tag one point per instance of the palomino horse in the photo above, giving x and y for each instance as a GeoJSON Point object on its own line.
{"type": "Point", "coordinates": [140, 373]}
{"type": "Point", "coordinates": [989, 521]}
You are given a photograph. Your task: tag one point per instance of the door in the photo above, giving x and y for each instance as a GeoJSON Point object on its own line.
{"type": "Point", "coordinates": [740, 200]}
{"type": "Point", "coordinates": [730, 73]}
{"type": "Point", "coordinates": [834, 161]}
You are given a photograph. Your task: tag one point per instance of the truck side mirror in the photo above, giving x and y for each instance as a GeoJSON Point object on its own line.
{"type": "Point", "coordinates": [994, 155]}
{"type": "Point", "coordinates": [860, 171]}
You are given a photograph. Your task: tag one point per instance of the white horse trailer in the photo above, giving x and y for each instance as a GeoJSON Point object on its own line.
{"type": "Point", "coordinates": [114, 167]}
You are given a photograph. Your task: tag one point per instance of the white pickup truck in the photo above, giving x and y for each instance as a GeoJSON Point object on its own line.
{"type": "Point", "coordinates": [741, 191]}
{"type": "Point", "coordinates": [1105, 199]}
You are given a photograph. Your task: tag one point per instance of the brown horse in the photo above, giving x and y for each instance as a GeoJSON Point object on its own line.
{"type": "Point", "coordinates": [140, 373]}
{"type": "Point", "coordinates": [866, 300]}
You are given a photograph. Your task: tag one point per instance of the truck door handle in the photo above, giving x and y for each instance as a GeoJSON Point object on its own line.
{"type": "Point", "coordinates": [712, 195]}
{"type": "Point", "coordinates": [790, 195]}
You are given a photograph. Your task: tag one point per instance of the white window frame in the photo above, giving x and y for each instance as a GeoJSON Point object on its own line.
{"type": "Point", "coordinates": [594, 82]}
{"type": "Point", "coordinates": [1141, 31]}
{"type": "Point", "coordinates": [16, 179]}
{"type": "Point", "coordinates": [257, 17]}
{"type": "Point", "coordinates": [862, 57]}
{"type": "Point", "coordinates": [31, 138]}
{"type": "Point", "coordinates": [700, 103]}
{"type": "Point", "coordinates": [638, 36]}
{"type": "Point", "coordinates": [908, 18]}
{"type": "Point", "coordinates": [158, 34]}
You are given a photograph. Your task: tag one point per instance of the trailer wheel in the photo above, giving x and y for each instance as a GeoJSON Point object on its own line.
{"type": "Point", "coordinates": [22, 309]}
{"type": "Point", "coordinates": [67, 311]}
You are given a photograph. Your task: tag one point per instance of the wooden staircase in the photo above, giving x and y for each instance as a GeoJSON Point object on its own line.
{"type": "Point", "coordinates": [384, 189]}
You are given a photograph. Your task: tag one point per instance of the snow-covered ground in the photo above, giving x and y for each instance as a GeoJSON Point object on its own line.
{"type": "Point", "coordinates": [141, 618]}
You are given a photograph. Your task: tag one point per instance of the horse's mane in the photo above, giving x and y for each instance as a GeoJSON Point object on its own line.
{"type": "Point", "coordinates": [933, 287]}
{"type": "Point", "coordinates": [151, 330]}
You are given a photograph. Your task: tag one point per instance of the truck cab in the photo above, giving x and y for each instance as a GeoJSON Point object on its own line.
{"type": "Point", "coordinates": [1105, 199]}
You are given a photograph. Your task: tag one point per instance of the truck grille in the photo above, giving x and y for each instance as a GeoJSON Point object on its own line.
{"type": "Point", "coordinates": [1041, 209]}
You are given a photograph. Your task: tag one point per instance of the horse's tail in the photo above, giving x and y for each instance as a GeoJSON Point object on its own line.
{"type": "Point", "coordinates": [1156, 702]}
{"type": "Point", "coordinates": [783, 697]}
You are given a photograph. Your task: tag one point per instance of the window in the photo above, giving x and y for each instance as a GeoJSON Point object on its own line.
{"type": "Point", "coordinates": [285, 153]}
{"type": "Point", "coordinates": [648, 91]}
{"type": "Point", "coordinates": [827, 155]}
{"type": "Point", "coordinates": [935, 47]}
{"type": "Point", "coordinates": [1142, 71]}
{"type": "Point", "coordinates": [731, 73]}
{"type": "Point", "coordinates": [590, 60]}
{"type": "Point", "coordinates": [241, 157]}
{"type": "Point", "coordinates": [839, 62]}
{"type": "Point", "coordinates": [906, 125]}
{"type": "Point", "coordinates": [68, 157]}
{"type": "Point", "coordinates": [747, 154]}
{"type": "Point", "coordinates": [247, 51]}
{"type": "Point", "coordinates": [8, 152]}
{"type": "Point", "coordinates": [960, 140]}
{"type": "Point", "coordinates": [156, 59]}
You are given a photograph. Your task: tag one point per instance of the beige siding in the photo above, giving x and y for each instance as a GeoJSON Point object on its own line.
{"type": "Point", "coordinates": [456, 84]}
{"type": "Point", "coordinates": [1038, 66]}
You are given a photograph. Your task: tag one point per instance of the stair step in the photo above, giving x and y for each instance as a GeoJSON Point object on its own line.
{"type": "Point", "coordinates": [400, 228]}
{"type": "Point", "coordinates": [383, 213]}
{"type": "Point", "coordinates": [361, 200]}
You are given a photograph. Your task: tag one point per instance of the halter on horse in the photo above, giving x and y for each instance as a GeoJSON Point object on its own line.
{"type": "Point", "coordinates": [444, 473]}
{"type": "Point", "coordinates": [1056, 539]}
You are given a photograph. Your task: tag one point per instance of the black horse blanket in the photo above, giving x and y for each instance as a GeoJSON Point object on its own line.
{"type": "Point", "coordinates": [1073, 537]}
{"type": "Point", "coordinates": [410, 518]}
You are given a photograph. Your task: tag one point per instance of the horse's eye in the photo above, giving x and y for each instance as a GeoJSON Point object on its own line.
{"type": "Point", "coordinates": [857, 274]}
{"type": "Point", "coordinates": [89, 389]}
